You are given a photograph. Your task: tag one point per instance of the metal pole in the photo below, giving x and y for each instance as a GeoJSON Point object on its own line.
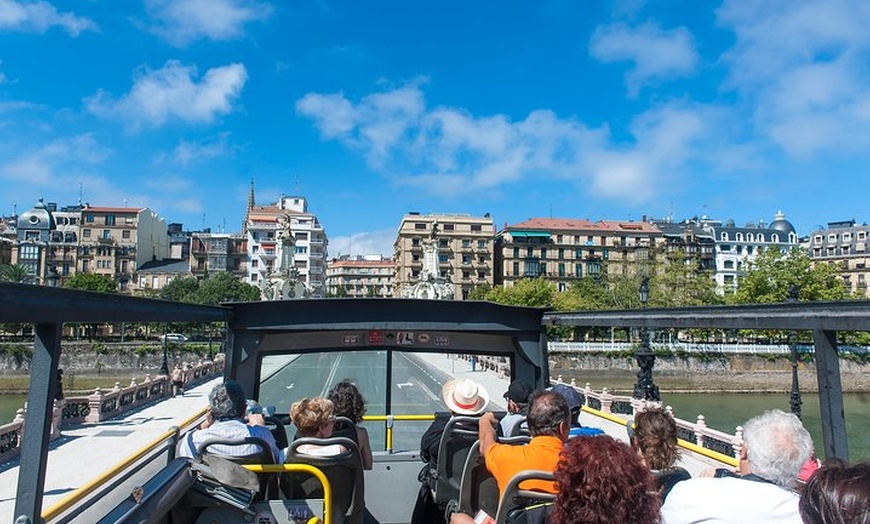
{"type": "Point", "coordinates": [164, 366]}
{"type": "Point", "coordinates": [645, 388]}
{"type": "Point", "coordinates": [795, 401]}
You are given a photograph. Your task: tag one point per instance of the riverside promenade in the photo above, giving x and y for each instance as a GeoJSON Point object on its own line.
{"type": "Point", "coordinates": [87, 451]}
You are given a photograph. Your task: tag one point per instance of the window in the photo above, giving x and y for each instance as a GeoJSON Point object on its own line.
{"type": "Point", "coordinates": [481, 260]}
{"type": "Point", "coordinates": [750, 237]}
{"type": "Point", "coordinates": [578, 253]}
{"type": "Point", "coordinates": [543, 268]}
{"type": "Point", "coordinates": [516, 269]}
{"type": "Point", "coordinates": [85, 264]}
{"type": "Point", "coordinates": [466, 243]}
{"type": "Point", "coordinates": [561, 269]}
{"type": "Point", "coordinates": [253, 277]}
{"type": "Point", "coordinates": [466, 260]}
{"type": "Point", "coordinates": [561, 253]}
{"type": "Point", "coordinates": [723, 237]}
{"type": "Point", "coordinates": [475, 227]}
{"type": "Point", "coordinates": [516, 252]}
{"type": "Point", "coordinates": [774, 238]}
{"type": "Point", "coordinates": [302, 236]}
{"type": "Point", "coordinates": [449, 227]}
{"type": "Point", "coordinates": [761, 237]}
{"type": "Point", "coordinates": [543, 252]}
{"type": "Point", "coordinates": [533, 268]}
{"type": "Point", "coordinates": [443, 243]}
{"type": "Point", "coordinates": [739, 237]}
{"type": "Point", "coordinates": [125, 234]}
{"type": "Point", "coordinates": [86, 233]}
{"type": "Point", "coordinates": [110, 220]}
{"type": "Point", "coordinates": [578, 270]}
{"type": "Point", "coordinates": [466, 275]}
{"type": "Point", "coordinates": [301, 250]}
{"type": "Point", "coordinates": [31, 235]}
{"type": "Point", "coordinates": [862, 235]}
{"type": "Point", "coordinates": [558, 239]}
{"type": "Point", "coordinates": [443, 259]}
{"type": "Point", "coordinates": [593, 268]}
{"type": "Point", "coordinates": [107, 234]}
{"type": "Point", "coordinates": [419, 225]}
{"type": "Point", "coordinates": [415, 242]}
{"type": "Point", "coordinates": [255, 263]}
{"type": "Point", "coordinates": [530, 252]}
{"type": "Point", "coordinates": [89, 218]}
{"type": "Point", "coordinates": [832, 237]}
{"type": "Point", "coordinates": [481, 244]}
{"type": "Point", "coordinates": [481, 274]}
{"type": "Point", "coordinates": [729, 264]}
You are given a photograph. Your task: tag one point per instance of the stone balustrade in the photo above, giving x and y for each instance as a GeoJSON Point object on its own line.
{"type": "Point", "coordinates": [627, 407]}
{"type": "Point", "coordinates": [103, 405]}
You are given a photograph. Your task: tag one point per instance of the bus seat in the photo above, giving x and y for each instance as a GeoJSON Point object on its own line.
{"type": "Point", "coordinates": [344, 472]}
{"type": "Point", "coordinates": [268, 481]}
{"type": "Point", "coordinates": [514, 497]}
{"type": "Point", "coordinates": [460, 433]}
{"type": "Point", "coordinates": [478, 489]}
{"type": "Point", "coordinates": [519, 428]}
{"type": "Point", "coordinates": [279, 432]}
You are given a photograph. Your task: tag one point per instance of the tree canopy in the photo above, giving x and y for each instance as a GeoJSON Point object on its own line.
{"type": "Point", "coordinates": [19, 273]}
{"type": "Point", "coordinates": [772, 273]}
{"type": "Point", "coordinates": [92, 282]}
{"type": "Point", "coordinates": [212, 290]}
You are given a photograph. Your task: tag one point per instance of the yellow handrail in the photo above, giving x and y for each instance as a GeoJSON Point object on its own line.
{"type": "Point", "coordinates": [709, 453]}
{"type": "Point", "coordinates": [75, 496]}
{"type": "Point", "coordinates": [304, 468]}
{"type": "Point", "coordinates": [389, 419]}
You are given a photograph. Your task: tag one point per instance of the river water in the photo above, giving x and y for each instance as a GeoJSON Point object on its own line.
{"type": "Point", "coordinates": [722, 411]}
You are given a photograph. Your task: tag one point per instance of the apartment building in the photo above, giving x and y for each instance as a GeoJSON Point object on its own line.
{"type": "Point", "coordinates": [217, 252]}
{"type": "Point", "coordinates": [738, 247]}
{"type": "Point", "coordinates": [461, 248]}
{"type": "Point", "coordinates": [563, 250]}
{"type": "Point", "coordinates": [265, 249]}
{"type": "Point", "coordinates": [361, 276]}
{"type": "Point", "coordinates": [32, 234]}
{"type": "Point", "coordinates": [844, 244]}
{"type": "Point", "coordinates": [692, 239]}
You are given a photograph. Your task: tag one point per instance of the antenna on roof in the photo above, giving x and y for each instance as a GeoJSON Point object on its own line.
{"type": "Point", "coordinates": [203, 221]}
{"type": "Point", "coordinates": [80, 194]}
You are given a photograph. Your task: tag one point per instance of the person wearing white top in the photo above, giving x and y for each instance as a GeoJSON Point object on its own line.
{"type": "Point", "coordinates": [313, 417]}
{"type": "Point", "coordinates": [775, 446]}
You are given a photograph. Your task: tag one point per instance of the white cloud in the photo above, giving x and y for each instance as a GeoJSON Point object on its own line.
{"type": "Point", "coordinates": [657, 54]}
{"type": "Point", "coordinates": [366, 243]}
{"type": "Point", "coordinates": [804, 66]}
{"type": "Point", "coordinates": [173, 93]}
{"type": "Point", "coordinates": [449, 152]}
{"type": "Point", "coordinates": [182, 21]}
{"type": "Point", "coordinates": [44, 166]}
{"type": "Point", "coordinates": [38, 17]}
{"type": "Point", "coordinates": [190, 152]}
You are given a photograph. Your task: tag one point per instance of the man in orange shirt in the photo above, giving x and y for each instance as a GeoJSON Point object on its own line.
{"type": "Point", "coordinates": [549, 422]}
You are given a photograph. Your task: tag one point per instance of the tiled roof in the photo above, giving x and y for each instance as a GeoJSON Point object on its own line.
{"type": "Point", "coordinates": [165, 266]}
{"type": "Point", "coordinates": [361, 263]}
{"type": "Point", "coordinates": [570, 224]}
{"type": "Point", "coordinates": [113, 209]}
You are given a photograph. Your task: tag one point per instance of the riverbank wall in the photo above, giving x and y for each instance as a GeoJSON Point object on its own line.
{"type": "Point", "coordinates": [733, 372]}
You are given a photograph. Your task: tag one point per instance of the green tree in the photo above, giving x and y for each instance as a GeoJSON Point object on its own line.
{"type": "Point", "coordinates": [772, 273]}
{"type": "Point", "coordinates": [680, 282]}
{"type": "Point", "coordinates": [20, 273]}
{"type": "Point", "coordinates": [224, 287]}
{"type": "Point", "coordinates": [479, 292]}
{"type": "Point", "coordinates": [530, 292]}
{"type": "Point", "coordinates": [92, 282]}
{"type": "Point", "coordinates": [180, 289]}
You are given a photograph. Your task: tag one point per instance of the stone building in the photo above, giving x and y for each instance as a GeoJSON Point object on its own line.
{"type": "Point", "coordinates": [844, 244]}
{"type": "Point", "coordinates": [216, 252]}
{"type": "Point", "coordinates": [564, 250]}
{"type": "Point", "coordinates": [463, 252]}
{"type": "Point", "coordinates": [358, 277]}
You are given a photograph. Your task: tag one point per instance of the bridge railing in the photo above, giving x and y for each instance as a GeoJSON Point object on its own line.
{"type": "Point", "coordinates": [676, 347]}
{"type": "Point", "coordinates": [627, 407]}
{"type": "Point", "coordinates": [102, 405]}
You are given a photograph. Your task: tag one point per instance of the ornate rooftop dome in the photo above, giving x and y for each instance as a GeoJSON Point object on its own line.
{"type": "Point", "coordinates": [780, 223]}
{"type": "Point", "coordinates": [36, 218]}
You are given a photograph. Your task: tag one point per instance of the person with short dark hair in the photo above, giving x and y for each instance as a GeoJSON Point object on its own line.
{"type": "Point", "coordinates": [575, 405]}
{"type": "Point", "coordinates": [548, 421]}
{"type": "Point", "coordinates": [517, 397]}
{"type": "Point", "coordinates": [775, 446]}
{"type": "Point", "coordinates": [837, 494]}
{"type": "Point", "coordinates": [225, 419]}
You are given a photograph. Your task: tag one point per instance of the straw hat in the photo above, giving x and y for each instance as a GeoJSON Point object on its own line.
{"type": "Point", "coordinates": [464, 396]}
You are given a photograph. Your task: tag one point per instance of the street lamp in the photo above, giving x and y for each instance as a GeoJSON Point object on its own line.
{"type": "Point", "coordinates": [52, 278]}
{"type": "Point", "coordinates": [795, 397]}
{"type": "Point", "coordinates": [645, 389]}
{"type": "Point", "coordinates": [164, 366]}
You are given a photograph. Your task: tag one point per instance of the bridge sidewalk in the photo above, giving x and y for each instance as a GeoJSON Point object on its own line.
{"type": "Point", "coordinates": [85, 452]}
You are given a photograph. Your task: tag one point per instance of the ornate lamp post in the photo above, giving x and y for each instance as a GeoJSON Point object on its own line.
{"type": "Point", "coordinates": [164, 366]}
{"type": "Point", "coordinates": [795, 401]}
{"type": "Point", "coordinates": [645, 389]}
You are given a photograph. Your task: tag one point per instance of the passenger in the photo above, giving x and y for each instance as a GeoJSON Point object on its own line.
{"type": "Point", "coordinates": [572, 398]}
{"type": "Point", "coordinates": [654, 438]}
{"type": "Point", "coordinates": [348, 402]}
{"type": "Point", "coordinates": [548, 423]}
{"type": "Point", "coordinates": [517, 396]}
{"type": "Point", "coordinates": [599, 481]}
{"type": "Point", "coordinates": [775, 446]}
{"type": "Point", "coordinates": [837, 494]}
{"type": "Point", "coordinates": [225, 419]}
{"type": "Point", "coordinates": [462, 397]}
{"type": "Point", "coordinates": [314, 418]}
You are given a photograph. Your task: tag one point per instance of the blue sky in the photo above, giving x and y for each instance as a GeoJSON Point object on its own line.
{"type": "Point", "coordinates": [562, 108]}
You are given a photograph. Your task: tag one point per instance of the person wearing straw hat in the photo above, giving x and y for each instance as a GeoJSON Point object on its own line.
{"type": "Point", "coordinates": [462, 397]}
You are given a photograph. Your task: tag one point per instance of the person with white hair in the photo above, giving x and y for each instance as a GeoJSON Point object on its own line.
{"type": "Point", "coordinates": [775, 446]}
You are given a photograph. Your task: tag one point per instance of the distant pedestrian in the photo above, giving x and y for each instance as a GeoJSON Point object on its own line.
{"type": "Point", "coordinates": [177, 378]}
{"type": "Point", "coordinates": [473, 363]}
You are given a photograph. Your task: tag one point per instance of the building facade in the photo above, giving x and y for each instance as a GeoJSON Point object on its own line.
{"type": "Point", "coordinates": [217, 252]}
{"type": "Point", "coordinates": [309, 243]}
{"type": "Point", "coordinates": [564, 250]}
{"type": "Point", "coordinates": [369, 276]}
{"type": "Point", "coordinates": [844, 244]}
{"type": "Point", "coordinates": [738, 247]}
{"type": "Point", "coordinates": [463, 251]}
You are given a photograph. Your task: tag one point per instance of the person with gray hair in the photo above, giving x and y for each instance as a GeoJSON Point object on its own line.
{"type": "Point", "coordinates": [225, 419]}
{"type": "Point", "coordinates": [775, 446]}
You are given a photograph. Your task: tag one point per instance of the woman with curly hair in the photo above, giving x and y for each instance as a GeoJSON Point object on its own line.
{"type": "Point", "coordinates": [654, 437]}
{"type": "Point", "coordinates": [349, 402]}
{"type": "Point", "coordinates": [313, 417]}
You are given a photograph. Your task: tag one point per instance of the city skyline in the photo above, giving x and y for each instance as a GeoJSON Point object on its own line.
{"type": "Point", "coordinates": [613, 111]}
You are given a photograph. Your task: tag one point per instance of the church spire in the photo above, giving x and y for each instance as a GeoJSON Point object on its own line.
{"type": "Point", "coordinates": [249, 208]}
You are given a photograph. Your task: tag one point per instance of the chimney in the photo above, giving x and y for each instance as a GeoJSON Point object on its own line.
{"type": "Point", "coordinates": [643, 218]}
